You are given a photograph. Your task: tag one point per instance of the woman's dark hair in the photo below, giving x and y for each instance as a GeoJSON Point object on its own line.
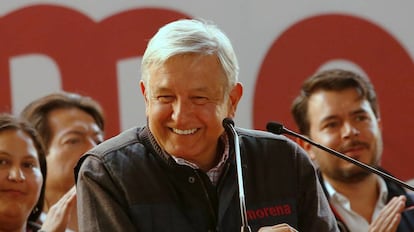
{"type": "Point", "coordinates": [10, 122]}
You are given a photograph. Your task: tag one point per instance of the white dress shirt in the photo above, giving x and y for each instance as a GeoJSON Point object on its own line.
{"type": "Point", "coordinates": [352, 219]}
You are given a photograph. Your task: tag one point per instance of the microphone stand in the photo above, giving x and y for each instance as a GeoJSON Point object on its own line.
{"type": "Point", "coordinates": [278, 128]}
{"type": "Point", "coordinates": [229, 124]}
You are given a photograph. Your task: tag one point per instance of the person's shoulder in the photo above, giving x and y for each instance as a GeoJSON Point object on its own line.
{"type": "Point", "coordinates": [120, 149]}
{"type": "Point", "coordinates": [264, 138]}
{"type": "Point", "coordinates": [268, 140]}
{"type": "Point", "coordinates": [117, 146]}
{"type": "Point", "coordinates": [120, 141]}
{"type": "Point", "coordinates": [259, 134]}
{"type": "Point", "coordinates": [410, 194]}
{"type": "Point", "coordinates": [272, 147]}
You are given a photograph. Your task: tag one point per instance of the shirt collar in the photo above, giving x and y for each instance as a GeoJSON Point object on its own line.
{"type": "Point", "coordinates": [215, 172]}
{"type": "Point", "coordinates": [383, 190]}
{"type": "Point", "coordinates": [344, 201]}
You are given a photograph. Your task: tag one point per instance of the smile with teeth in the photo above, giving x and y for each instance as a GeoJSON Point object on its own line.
{"type": "Point", "coordinates": [184, 132]}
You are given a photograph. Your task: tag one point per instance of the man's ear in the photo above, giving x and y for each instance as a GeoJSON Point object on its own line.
{"type": "Point", "coordinates": [142, 86]}
{"type": "Point", "coordinates": [144, 94]}
{"type": "Point", "coordinates": [307, 147]}
{"type": "Point", "coordinates": [379, 123]}
{"type": "Point", "coordinates": [235, 96]}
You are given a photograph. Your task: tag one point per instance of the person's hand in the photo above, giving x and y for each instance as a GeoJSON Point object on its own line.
{"type": "Point", "coordinates": [390, 216]}
{"type": "Point", "coordinates": [278, 228]}
{"type": "Point", "coordinates": [59, 214]}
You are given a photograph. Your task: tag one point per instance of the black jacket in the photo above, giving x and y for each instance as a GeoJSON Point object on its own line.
{"type": "Point", "coordinates": [407, 219]}
{"type": "Point", "coordinates": [128, 184]}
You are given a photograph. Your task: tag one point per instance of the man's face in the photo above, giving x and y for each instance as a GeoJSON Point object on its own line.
{"type": "Point", "coordinates": [186, 102]}
{"type": "Point", "coordinates": [344, 122]}
{"type": "Point", "coordinates": [73, 133]}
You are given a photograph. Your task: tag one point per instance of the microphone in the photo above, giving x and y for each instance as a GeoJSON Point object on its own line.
{"type": "Point", "coordinates": [278, 128]}
{"type": "Point", "coordinates": [228, 125]}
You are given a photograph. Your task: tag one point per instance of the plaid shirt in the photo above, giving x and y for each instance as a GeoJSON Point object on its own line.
{"type": "Point", "coordinates": [214, 173]}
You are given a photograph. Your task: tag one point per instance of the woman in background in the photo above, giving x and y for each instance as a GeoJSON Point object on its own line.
{"type": "Point", "coordinates": [22, 175]}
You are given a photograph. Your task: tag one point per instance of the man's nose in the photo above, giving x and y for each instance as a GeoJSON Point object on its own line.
{"type": "Point", "coordinates": [349, 130]}
{"type": "Point", "coordinates": [181, 110]}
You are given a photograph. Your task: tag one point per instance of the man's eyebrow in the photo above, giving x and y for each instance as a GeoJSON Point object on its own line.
{"type": "Point", "coordinates": [359, 111]}
{"type": "Point", "coordinates": [4, 153]}
{"type": "Point", "coordinates": [329, 117]}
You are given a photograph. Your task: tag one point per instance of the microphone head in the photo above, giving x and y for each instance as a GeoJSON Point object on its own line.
{"type": "Point", "coordinates": [227, 122]}
{"type": "Point", "coordinates": [275, 128]}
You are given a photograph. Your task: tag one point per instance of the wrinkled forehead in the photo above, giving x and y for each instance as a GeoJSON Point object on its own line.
{"type": "Point", "coordinates": [190, 62]}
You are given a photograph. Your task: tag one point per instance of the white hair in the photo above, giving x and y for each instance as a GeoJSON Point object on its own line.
{"type": "Point", "coordinates": [190, 36]}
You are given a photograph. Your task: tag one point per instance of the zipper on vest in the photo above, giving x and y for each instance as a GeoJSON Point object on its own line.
{"type": "Point", "coordinates": [208, 197]}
